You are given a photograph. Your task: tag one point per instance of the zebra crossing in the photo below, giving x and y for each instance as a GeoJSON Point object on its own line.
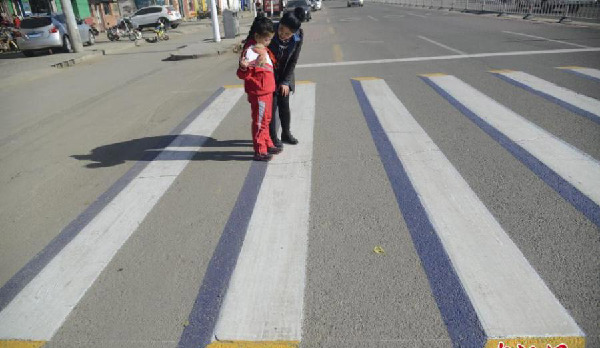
{"type": "Point", "coordinates": [259, 300]}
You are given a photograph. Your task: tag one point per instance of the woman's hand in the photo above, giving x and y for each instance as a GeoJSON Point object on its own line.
{"type": "Point", "coordinates": [284, 90]}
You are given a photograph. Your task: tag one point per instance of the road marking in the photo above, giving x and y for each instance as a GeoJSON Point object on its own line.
{"type": "Point", "coordinates": [575, 102]}
{"type": "Point", "coordinates": [461, 56]}
{"type": "Point", "coordinates": [592, 74]}
{"type": "Point", "coordinates": [373, 18]}
{"type": "Point", "coordinates": [40, 308]}
{"type": "Point", "coordinates": [253, 290]}
{"type": "Point", "coordinates": [441, 45]}
{"type": "Point", "coordinates": [416, 15]}
{"type": "Point", "coordinates": [458, 239]}
{"type": "Point", "coordinates": [545, 39]}
{"type": "Point", "coordinates": [571, 172]}
{"type": "Point", "coordinates": [264, 301]}
{"type": "Point", "coordinates": [350, 19]}
{"type": "Point", "coordinates": [338, 56]}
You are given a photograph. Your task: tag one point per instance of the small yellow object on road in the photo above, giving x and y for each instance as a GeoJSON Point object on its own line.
{"type": "Point", "coordinates": [379, 250]}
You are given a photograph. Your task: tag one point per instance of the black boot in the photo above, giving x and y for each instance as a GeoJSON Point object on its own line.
{"type": "Point", "coordinates": [288, 138]}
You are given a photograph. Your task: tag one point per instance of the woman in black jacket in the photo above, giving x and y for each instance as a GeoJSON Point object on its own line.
{"type": "Point", "coordinates": [286, 45]}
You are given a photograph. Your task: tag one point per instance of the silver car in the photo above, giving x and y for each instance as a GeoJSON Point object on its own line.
{"type": "Point", "coordinates": [153, 15]}
{"type": "Point", "coordinates": [48, 32]}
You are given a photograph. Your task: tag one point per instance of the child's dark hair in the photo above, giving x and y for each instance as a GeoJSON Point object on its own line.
{"type": "Point", "coordinates": [261, 27]}
{"type": "Point", "coordinates": [293, 20]}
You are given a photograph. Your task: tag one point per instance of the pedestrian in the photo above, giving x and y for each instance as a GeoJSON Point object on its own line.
{"type": "Point", "coordinates": [286, 46]}
{"type": "Point", "coordinates": [256, 69]}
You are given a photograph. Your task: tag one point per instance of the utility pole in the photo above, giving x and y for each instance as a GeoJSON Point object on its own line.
{"type": "Point", "coordinates": [72, 26]}
{"type": "Point", "coordinates": [215, 20]}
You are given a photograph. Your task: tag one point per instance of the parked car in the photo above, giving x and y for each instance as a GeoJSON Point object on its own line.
{"type": "Point", "coordinates": [151, 16]}
{"type": "Point", "coordinates": [47, 32]}
{"type": "Point", "coordinates": [305, 4]}
{"type": "Point", "coordinates": [316, 4]}
{"type": "Point", "coordinates": [355, 3]}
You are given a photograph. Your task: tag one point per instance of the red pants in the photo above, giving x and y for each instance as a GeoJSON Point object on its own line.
{"type": "Point", "coordinates": [262, 108]}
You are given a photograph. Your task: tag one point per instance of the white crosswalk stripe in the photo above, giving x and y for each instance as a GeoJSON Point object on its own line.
{"type": "Point", "coordinates": [589, 107]}
{"type": "Point", "coordinates": [479, 249]}
{"type": "Point", "coordinates": [264, 301]}
{"type": "Point", "coordinates": [43, 305]}
{"type": "Point", "coordinates": [574, 166]}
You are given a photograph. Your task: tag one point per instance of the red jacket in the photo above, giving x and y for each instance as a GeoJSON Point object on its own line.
{"type": "Point", "coordinates": [257, 80]}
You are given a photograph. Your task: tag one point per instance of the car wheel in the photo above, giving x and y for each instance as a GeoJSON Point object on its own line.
{"type": "Point", "coordinates": [67, 48]}
{"type": "Point", "coordinates": [28, 53]}
{"type": "Point", "coordinates": [174, 25]}
{"type": "Point", "coordinates": [348, 4]}
{"type": "Point", "coordinates": [92, 39]}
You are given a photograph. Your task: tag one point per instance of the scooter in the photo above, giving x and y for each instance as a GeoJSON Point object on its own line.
{"type": "Point", "coordinates": [124, 28]}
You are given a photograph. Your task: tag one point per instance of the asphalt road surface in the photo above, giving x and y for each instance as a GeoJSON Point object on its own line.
{"type": "Point", "coordinates": [445, 192]}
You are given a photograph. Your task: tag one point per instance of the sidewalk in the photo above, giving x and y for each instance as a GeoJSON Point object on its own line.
{"type": "Point", "coordinates": [16, 68]}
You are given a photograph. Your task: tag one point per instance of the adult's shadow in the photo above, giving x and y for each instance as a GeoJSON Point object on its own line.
{"type": "Point", "coordinates": [150, 148]}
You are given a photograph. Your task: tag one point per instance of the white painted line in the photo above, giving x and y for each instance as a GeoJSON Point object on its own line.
{"type": "Point", "coordinates": [581, 101]}
{"type": "Point", "coordinates": [416, 15]}
{"type": "Point", "coordinates": [43, 305]}
{"type": "Point", "coordinates": [461, 56]}
{"type": "Point", "coordinates": [545, 39]}
{"type": "Point", "coordinates": [265, 298]}
{"type": "Point", "coordinates": [441, 45]}
{"type": "Point", "coordinates": [574, 166]}
{"type": "Point", "coordinates": [594, 73]}
{"type": "Point", "coordinates": [373, 18]}
{"type": "Point", "coordinates": [510, 298]}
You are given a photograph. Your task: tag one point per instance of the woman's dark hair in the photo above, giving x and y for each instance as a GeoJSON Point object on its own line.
{"type": "Point", "coordinates": [261, 27]}
{"type": "Point", "coordinates": [293, 20]}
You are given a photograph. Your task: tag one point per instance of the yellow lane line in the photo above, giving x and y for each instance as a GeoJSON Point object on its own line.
{"type": "Point", "coordinates": [254, 344]}
{"type": "Point", "coordinates": [21, 344]}
{"type": "Point", "coordinates": [338, 56]}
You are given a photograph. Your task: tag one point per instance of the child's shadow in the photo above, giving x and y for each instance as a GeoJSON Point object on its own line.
{"type": "Point", "coordinates": [153, 148]}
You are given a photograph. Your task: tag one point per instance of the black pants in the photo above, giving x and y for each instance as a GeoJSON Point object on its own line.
{"type": "Point", "coordinates": [281, 104]}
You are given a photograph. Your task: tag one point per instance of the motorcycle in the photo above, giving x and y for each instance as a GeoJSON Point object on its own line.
{"type": "Point", "coordinates": [124, 28]}
{"type": "Point", "coordinates": [7, 42]}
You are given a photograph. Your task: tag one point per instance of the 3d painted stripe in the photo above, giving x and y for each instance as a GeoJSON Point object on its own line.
{"type": "Point", "coordinates": [571, 172]}
{"type": "Point", "coordinates": [41, 307]}
{"type": "Point", "coordinates": [575, 102]}
{"type": "Point", "coordinates": [589, 73]}
{"type": "Point", "coordinates": [481, 253]}
{"type": "Point", "coordinates": [264, 302]}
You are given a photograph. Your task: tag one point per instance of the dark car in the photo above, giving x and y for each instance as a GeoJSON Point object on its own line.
{"type": "Point", "coordinates": [305, 4]}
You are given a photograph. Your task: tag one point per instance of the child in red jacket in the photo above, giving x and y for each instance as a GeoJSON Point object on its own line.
{"type": "Point", "coordinates": [256, 69]}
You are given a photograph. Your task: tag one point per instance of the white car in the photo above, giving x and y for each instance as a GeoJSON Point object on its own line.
{"type": "Point", "coordinates": [316, 4]}
{"type": "Point", "coordinates": [355, 3]}
{"type": "Point", "coordinates": [154, 15]}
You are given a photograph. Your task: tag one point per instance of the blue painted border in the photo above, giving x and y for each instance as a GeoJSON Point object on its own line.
{"type": "Point", "coordinates": [575, 72]}
{"type": "Point", "coordinates": [571, 194]}
{"type": "Point", "coordinates": [18, 281]}
{"type": "Point", "coordinates": [593, 117]}
{"type": "Point", "coordinates": [203, 317]}
{"type": "Point", "coordinates": [456, 309]}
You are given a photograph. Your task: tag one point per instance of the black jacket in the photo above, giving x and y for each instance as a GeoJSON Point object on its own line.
{"type": "Point", "coordinates": [284, 70]}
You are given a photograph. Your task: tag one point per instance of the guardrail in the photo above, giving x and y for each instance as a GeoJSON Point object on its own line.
{"type": "Point", "coordinates": [561, 9]}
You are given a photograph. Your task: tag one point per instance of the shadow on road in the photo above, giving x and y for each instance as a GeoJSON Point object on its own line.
{"type": "Point", "coordinates": [148, 149]}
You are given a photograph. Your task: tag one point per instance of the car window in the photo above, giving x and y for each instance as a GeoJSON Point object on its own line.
{"type": "Point", "coordinates": [170, 8]}
{"type": "Point", "coordinates": [35, 22]}
{"type": "Point", "coordinates": [296, 4]}
{"type": "Point", "coordinates": [155, 10]}
{"type": "Point", "coordinates": [140, 12]}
